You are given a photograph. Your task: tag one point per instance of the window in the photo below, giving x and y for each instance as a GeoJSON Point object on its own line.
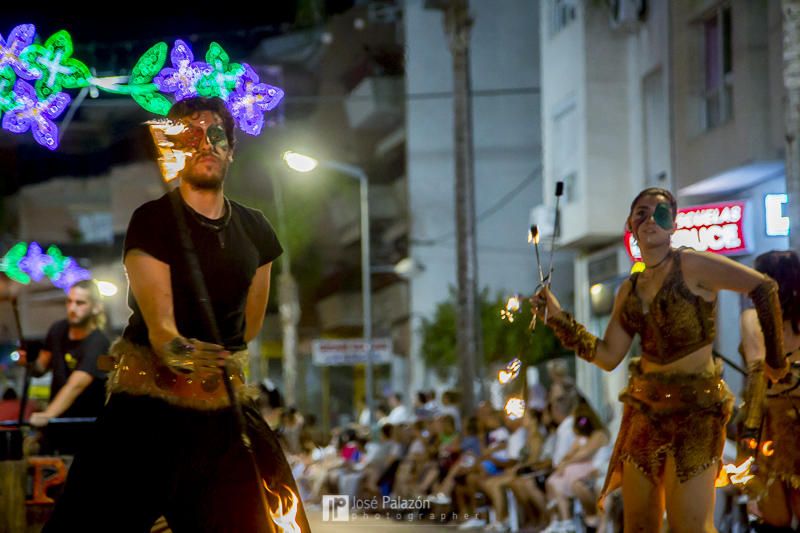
{"type": "Point", "coordinates": [562, 12]}
{"type": "Point", "coordinates": [718, 68]}
{"type": "Point", "coordinates": [656, 144]}
{"type": "Point", "coordinates": [565, 149]}
{"type": "Point", "coordinates": [96, 227]}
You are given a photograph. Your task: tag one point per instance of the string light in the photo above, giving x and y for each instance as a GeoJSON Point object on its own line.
{"type": "Point", "coordinates": [25, 107]}
{"type": "Point", "coordinates": [24, 262]}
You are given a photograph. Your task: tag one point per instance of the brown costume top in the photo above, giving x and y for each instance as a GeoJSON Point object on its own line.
{"type": "Point", "coordinates": [677, 323]}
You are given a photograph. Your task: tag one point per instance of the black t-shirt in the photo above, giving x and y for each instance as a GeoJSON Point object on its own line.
{"type": "Point", "coordinates": [70, 355]}
{"type": "Point", "coordinates": [229, 250]}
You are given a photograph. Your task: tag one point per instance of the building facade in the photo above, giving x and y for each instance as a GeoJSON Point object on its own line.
{"type": "Point", "coordinates": [504, 62]}
{"type": "Point", "coordinates": [684, 95]}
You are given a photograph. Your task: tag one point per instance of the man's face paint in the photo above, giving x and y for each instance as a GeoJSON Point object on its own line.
{"type": "Point", "coordinates": [192, 137]}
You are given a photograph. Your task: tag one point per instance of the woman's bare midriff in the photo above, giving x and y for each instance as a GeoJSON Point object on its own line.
{"type": "Point", "coordinates": [697, 362]}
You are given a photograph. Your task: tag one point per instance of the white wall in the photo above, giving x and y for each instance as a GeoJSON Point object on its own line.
{"type": "Point", "coordinates": [504, 55]}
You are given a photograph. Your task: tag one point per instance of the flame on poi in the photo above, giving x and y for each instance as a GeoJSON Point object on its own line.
{"type": "Point", "coordinates": [170, 160]}
{"type": "Point", "coordinates": [768, 448]}
{"type": "Point", "coordinates": [512, 307]}
{"type": "Point", "coordinates": [510, 372]}
{"type": "Point", "coordinates": [738, 475]}
{"type": "Point", "coordinates": [284, 517]}
{"type": "Point", "coordinates": [513, 304]}
{"type": "Point", "coordinates": [515, 408]}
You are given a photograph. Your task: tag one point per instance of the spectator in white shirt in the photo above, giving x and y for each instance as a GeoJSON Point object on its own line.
{"type": "Point", "coordinates": [449, 407]}
{"type": "Point", "coordinates": [399, 413]}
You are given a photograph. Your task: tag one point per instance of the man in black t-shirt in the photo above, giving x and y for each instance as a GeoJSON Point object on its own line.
{"type": "Point", "coordinates": [168, 431]}
{"type": "Point", "coordinates": [70, 350]}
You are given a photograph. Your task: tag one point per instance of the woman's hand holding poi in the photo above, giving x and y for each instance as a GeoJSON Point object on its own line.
{"type": "Point", "coordinates": [545, 304]}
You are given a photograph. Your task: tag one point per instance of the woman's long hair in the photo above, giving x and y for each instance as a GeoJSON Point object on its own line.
{"type": "Point", "coordinates": [587, 421]}
{"type": "Point", "coordinates": [784, 267]}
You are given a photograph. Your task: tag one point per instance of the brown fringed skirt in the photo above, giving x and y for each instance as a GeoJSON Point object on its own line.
{"type": "Point", "coordinates": [782, 427]}
{"type": "Point", "coordinates": [682, 415]}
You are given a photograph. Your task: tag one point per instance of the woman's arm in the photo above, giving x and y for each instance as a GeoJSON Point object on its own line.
{"type": "Point", "coordinates": [572, 450]}
{"type": "Point", "coordinates": [596, 440]}
{"type": "Point", "coordinates": [607, 352]}
{"type": "Point", "coordinates": [755, 389]}
{"type": "Point", "coordinates": [714, 273]}
{"type": "Point", "coordinates": [752, 338]}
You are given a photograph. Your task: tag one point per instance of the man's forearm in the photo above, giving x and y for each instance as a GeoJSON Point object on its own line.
{"type": "Point", "coordinates": [64, 399]}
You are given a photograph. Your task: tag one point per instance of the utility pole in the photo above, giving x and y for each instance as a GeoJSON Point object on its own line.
{"type": "Point", "coordinates": [457, 25]}
{"type": "Point", "coordinates": [791, 81]}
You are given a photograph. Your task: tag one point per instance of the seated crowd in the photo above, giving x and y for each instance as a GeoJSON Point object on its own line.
{"type": "Point", "coordinates": [540, 467]}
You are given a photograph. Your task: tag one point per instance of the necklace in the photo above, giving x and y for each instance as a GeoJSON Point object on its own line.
{"type": "Point", "coordinates": [215, 225]}
{"type": "Point", "coordinates": [669, 254]}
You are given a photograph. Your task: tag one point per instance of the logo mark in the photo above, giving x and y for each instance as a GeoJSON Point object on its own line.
{"type": "Point", "coordinates": [335, 508]}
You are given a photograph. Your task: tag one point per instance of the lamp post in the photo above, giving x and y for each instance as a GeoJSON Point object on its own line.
{"type": "Point", "coordinates": [304, 163]}
{"type": "Point", "coordinates": [288, 306]}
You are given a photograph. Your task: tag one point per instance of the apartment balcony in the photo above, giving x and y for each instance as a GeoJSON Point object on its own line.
{"type": "Point", "coordinates": [342, 310]}
{"type": "Point", "coordinates": [387, 205]}
{"type": "Point", "coordinates": [376, 103]}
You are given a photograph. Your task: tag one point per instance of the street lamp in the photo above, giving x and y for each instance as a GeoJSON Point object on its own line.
{"type": "Point", "coordinates": [300, 162]}
{"type": "Point", "coordinates": [106, 288]}
{"type": "Point", "coordinates": [304, 163]}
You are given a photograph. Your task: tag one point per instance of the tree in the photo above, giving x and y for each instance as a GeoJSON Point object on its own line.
{"type": "Point", "coordinates": [502, 340]}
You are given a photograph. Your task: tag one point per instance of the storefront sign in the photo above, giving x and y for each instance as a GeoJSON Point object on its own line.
{"type": "Point", "coordinates": [719, 228]}
{"type": "Point", "coordinates": [776, 222]}
{"type": "Point", "coordinates": [333, 352]}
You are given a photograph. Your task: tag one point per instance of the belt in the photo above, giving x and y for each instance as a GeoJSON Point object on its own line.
{"type": "Point", "coordinates": [138, 372]}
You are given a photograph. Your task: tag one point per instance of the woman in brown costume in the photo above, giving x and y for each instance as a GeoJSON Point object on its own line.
{"type": "Point", "coordinates": [667, 454]}
{"type": "Point", "coordinates": [778, 468]}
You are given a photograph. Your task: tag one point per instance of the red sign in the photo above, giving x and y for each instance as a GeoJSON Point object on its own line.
{"type": "Point", "coordinates": [717, 228]}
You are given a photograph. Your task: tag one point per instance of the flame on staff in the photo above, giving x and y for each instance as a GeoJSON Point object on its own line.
{"type": "Point", "coordinates": [533, 235]}
{"type": "Point", "coordinates": [170, 160]}
{"type": "Point", "coordinates": [510, 372]}
{"type": "Point", "coordinates": [515, 408]}
{"type": "Point", "coordinates": [284, 518]}
{"type": "Point", "coordinates": [738, 475]}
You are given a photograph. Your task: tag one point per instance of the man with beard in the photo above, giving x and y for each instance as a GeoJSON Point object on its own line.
{"type": "Point", "coordinates": [71, 349]}
{"type": "Point", "coordinates": [168, 431]}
